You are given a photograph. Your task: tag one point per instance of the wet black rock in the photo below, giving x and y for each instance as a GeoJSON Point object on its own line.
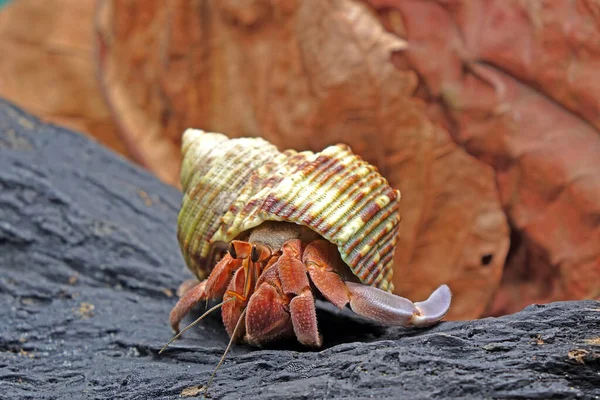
{"type": "Point", "coordinates": [89, 264]}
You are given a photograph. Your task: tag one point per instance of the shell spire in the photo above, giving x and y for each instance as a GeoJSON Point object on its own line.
{"type": "Point", "coordinates": [233, 185]}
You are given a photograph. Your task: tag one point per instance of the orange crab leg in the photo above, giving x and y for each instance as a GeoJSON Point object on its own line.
{"type": "Point", "coordinates": [232, 309]}
{"type": "Point", "coordinates": [319, 257]}
{"type": "Point", "coordinates": [268, 316]}
{"type": "Point", "coordinates": [221, 275]}
{"type": "Point", "coordinates": [241, 288]}
{"type": "Point", "coordinates": [212, 287]}
{"type": "Point", "coordinates": [294, 281]}
{"type": "Point", "coordinates": [304, 319]}
{"type": "Point", "coordinates": [368, 301]}
{"type": "Point", "coordinates": [186, 303]}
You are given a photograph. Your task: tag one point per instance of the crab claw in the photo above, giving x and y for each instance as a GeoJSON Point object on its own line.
{"type": "Point", "coordinates": [389, 309]}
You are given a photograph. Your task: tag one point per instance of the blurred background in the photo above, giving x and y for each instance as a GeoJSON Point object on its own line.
{"type": "Point", "coordinates": [484, 113]}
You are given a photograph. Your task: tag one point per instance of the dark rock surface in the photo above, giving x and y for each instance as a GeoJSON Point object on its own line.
{"type": "Point", "coordinates": [89, 262]}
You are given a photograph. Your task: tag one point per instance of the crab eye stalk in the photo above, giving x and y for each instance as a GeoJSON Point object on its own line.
{"type": "Point", "coordinates": [240, 250]}
{"type": "Point", "coordinates": [260, 253]}
{"type": "Point", "coordinates": [231, 251]}
{"type": "Point", "coordinates": [254, 254]}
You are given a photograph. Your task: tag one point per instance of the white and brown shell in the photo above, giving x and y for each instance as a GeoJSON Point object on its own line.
{"type": "Point", "coordinates": [233, 185]}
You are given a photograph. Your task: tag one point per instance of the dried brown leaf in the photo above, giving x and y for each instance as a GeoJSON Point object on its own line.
{"type": "Point", "coordinates": [518, 87]}
{"type": "Point", "coordinates": [47, 65]}
{"type": "Point", "coordinates": [305, 75]}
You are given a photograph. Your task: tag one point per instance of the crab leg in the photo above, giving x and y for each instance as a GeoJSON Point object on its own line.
{"type": "Point", "coordinates": [268, 316]}
{"type": "Point", "coordinates": [390, 309]}
{"type": "Point", "coordinates": [318, 258]}
{"type": "Point", "coordinates": [367, 301]}
{"type": "Point", "coordinates": [185, 304]}
{"type": "Point", "coordinates": [234, 303]}
{"type": "Point", "coordinates": [212, 287]}
{"type": "Point", "coordinates": [217, 282]}
{"type": "Point", "coordinates": [294, 281]}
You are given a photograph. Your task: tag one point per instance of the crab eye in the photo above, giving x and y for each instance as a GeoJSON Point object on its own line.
{"type": "Point", "coordinates": [254, 255]}
{"type": "Point", "coordinates": [231, 251]}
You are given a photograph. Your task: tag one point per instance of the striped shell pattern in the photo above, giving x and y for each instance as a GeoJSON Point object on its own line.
{"type": "Point", "coordinates": [233, 185]}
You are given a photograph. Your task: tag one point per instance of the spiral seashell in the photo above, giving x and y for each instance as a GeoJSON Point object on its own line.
{"type": "Point", "coordinates": [233, 185]}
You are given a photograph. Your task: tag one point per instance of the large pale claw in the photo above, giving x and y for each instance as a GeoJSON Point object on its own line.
{"type": "Point", "coordinates": [434, 308]}
{"type": "Point", "coordinates": [390, 309]}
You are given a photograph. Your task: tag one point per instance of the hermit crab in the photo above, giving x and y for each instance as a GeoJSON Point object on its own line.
{"type": "Point", "coordinates": [268, 232]}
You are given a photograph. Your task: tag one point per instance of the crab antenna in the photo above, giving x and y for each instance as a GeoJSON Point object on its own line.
{"type": "Point", "coordinates": [237, 325]}
{"type": "Point", "coordinates": [200, 318]}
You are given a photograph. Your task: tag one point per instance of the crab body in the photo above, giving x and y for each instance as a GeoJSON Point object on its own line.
{"type": "Point", "coordinates": [258, 226]}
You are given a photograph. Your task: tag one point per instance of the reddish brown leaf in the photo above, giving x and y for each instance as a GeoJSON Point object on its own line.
{"type": "Point", "coordinates": [305, 75]}
{"type": "Point", "coordinates": [47, 65]}
{"type": "Point", "coordinates": [518, 85]}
